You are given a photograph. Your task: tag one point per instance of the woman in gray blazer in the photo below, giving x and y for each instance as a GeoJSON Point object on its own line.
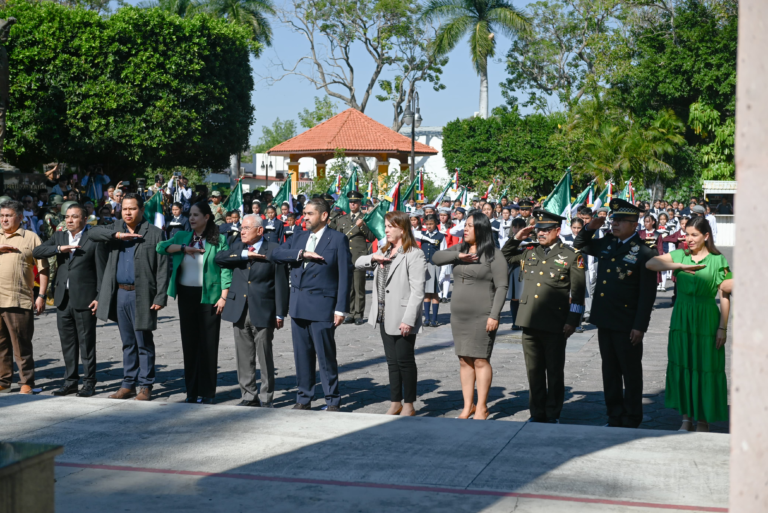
{"type": "Point", "coordinates": [398, 291]}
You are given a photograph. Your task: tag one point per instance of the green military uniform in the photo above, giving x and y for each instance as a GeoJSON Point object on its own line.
{"type": "Point", "coordinates": [553, 296]}
{"type": "Point", "coordinates": [51, 223]}
{"type": "Point", "coordinates": [625, 292]}
{"type": "Point", "coordinates": [358, 245]}
{"type": "Point", "coordinates": [219, 212]}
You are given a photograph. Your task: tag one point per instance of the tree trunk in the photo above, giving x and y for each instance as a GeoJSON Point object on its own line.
{"type": "Point", "coordinates": [484, 90]}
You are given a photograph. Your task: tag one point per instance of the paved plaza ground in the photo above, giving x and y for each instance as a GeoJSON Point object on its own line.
{"type": "Point", "coordinates": [363, 370]}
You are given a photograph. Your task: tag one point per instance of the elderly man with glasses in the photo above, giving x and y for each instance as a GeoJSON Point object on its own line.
{"type": "Point", "coordinates": [551, 306]}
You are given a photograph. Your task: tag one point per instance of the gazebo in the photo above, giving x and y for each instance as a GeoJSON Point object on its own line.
{"type": "Point", "coordinates": [355, 133]}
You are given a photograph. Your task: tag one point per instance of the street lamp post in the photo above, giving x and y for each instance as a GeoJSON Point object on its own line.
{"type": "Point", "coordinates": [412, 116]}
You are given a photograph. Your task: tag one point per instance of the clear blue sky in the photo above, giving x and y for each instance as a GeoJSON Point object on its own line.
{"type": "Point", "coordinates": [288, 97]}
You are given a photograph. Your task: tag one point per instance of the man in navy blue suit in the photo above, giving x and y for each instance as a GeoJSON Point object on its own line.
{"type": "Point", "coordinates": [321, 274]}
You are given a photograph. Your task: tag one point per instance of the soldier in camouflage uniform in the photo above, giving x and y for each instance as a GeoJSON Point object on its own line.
{"type": "Point", "coordinates": [50, 224]}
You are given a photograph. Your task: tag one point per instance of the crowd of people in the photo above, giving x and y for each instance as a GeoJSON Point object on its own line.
{"type": "Point", "coordinates": [309, 260]}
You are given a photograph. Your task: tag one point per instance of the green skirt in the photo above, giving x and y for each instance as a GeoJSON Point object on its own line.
{"type": "Point", "coordinates": [696, 382]}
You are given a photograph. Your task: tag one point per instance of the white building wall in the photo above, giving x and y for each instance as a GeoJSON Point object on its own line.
{"type": "Point", "coordinates": [433, 165]}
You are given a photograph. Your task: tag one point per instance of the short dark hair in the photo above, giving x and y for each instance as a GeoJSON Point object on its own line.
{"type": "Point", "coordinates": [519, 222]}
{"type": "Point", "coordinates": [233, 212]}
{"type": "Point", "coordinates": [320, 204]}
{"type": "Point", "coordinates": [133, 196]}
{"type": "Point", "coordinates": [271, 207]}
{"type": "Point", "coordinates": [586, 211]}
{"type": "Point", "coordinates": [107, 208]}
{"type": "Point", "coordinates": [13, 205]}
{"type": "Point", "coordinates": [177, 204]}
{"type": "Point", "coordinates": [83, 211]}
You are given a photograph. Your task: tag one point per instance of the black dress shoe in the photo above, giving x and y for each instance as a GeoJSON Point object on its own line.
{"type": "Point", "coordinates": [349, 320]}
{"type": "Point", "coordinates": [66, 390]}
{"type": "Point", "coordinates": [87, 391]}
{"type": "Point", "coordinates": [333, 408]}
{"type": "Point", "coordinates": [435, 324]}
{"type": "Point", "coordinates": [359, 322]}
{"type": "Point", "coordinates": [253, 404]}
{"type": "Point", "coordinates": [191, 400]}
{"type": "Point", "coordinates": [267, 405]}
{"type": "Point", "coordinates": [299, 406]}
{"type": "Point", "coordinates": [207, 400]}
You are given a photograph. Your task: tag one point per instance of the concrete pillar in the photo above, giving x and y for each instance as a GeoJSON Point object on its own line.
{"type": "Point", "coordinates": [749, 366]}
{"type": "Point", "coordinates": [293, 170]}
{"type": "Point", "coordinates": [382, 164]}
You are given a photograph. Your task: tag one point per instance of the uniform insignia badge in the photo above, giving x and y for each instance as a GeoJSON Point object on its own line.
{"type": "Point", "coordinates": [551, 275]}
{"type": "Point", "coordinates": [630, 259]}
{"type": "Point", "coordinates": [580, 262]}
{"type": "Point", "coordinates": [609, 246]}
{"type": "Point", "coordinates": [621, 276]}
{"type": "Point", "coordinates": [635, 249]}
{"type": "Point", "coordinates": [629, 273]}
{"type": "Point", "coordinates": [618, 269]}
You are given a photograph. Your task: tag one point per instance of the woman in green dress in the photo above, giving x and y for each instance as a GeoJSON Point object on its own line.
{"type": "Point", "coordinates": [696, 382]}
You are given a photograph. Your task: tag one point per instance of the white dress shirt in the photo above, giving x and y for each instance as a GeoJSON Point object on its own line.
{"type": "Point", "coordinates": [74, 240]}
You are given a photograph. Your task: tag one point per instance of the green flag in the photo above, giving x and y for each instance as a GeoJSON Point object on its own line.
{"type": "Point", "coordinates": [153, 210]}
{"type": "Point", "coordinates": [626, 192]}
{"type": "Point", "coordinates": [559, 201]}
{"type": "Point", "coordinates": [604, 198]}
{"type": "Point", "coordinates": [284, 195]}
{"type": "Point", "coordinates": [342, 202]}
{"type": "Point", "coordinates": [442, 195]}
{"type": "Point", "coordinates": [374, 219]}
{"type": "Point", "coordinates": [408, 191]}
{"type": "Point", "coordinates": [235, 199]}
{"type": "Point", "coordinates": [583, 198]}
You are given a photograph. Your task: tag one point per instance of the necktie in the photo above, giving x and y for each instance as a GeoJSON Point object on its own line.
{"type": "Point", "coordinates": [251, 249]}
{"type": "Point", "coordinates": [311, 245]}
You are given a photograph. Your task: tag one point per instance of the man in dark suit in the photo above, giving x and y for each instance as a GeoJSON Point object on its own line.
{"type": "Point", "coordinates": [625, 292]}
{"type": "Point", "coordinates": [321, 274]}
{"type": "Point", "coordinates": [81, 265]}
{"type": "Point", "coordinates": [134, 289]}
{"type": "Point", "coordinates": [257, 303]}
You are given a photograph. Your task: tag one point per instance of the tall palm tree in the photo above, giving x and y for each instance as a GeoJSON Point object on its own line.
{"type": "Point", "coordinates": [251, 13]}
{"type": "Point", "coordinates": [480, 19]}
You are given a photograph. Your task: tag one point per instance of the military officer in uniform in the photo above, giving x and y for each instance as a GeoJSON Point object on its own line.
{"type": "Point", "coordinates": [51, 222]}
{"type": "Point", "coordinates": [357, 232]}
{"type": "Point", "coordinates": [526, 207]}
{"type": "Point", "coordinates": [625, 292]}
{"type": "Point", "coordinates": [551, 305]}
{"type": "Point", "coordinates": [336, 212]}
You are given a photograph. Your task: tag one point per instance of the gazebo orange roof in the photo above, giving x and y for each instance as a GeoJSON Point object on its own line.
{"type": "Point", "coordinates": [356, 134]}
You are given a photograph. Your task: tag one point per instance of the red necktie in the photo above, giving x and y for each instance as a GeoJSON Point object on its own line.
{"type": "Point", "coordinates": [251, 249]}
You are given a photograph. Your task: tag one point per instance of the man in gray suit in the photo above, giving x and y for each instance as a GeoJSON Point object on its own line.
{"type": "Point", "coordinates": [133, 290]}
{"type": "Point", "coordinates": [257, 303]}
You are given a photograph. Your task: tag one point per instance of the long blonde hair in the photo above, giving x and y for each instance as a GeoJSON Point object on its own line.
{"type": "Point", "coordinates": [402, 221]}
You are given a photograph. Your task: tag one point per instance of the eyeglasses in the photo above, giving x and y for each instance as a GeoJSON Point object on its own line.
{"type": "Point", "coordinates": [545, 230]}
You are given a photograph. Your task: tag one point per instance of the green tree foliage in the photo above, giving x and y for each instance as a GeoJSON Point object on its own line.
{"type": "Point", "coordinates": [272, 136]}
{"type": "Point", "coordinates": [250, 14]}
{"type": "Point", "coordinates": [140, 89]}
{"type": "Point", "coordinates": [521, 151]}
{"type": "Point", "coordinates": [324, 109]}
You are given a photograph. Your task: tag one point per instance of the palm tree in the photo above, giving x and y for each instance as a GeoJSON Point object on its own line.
{"type": "Point", "coordinates": [479, 18]}
{"type": "Point", "coordinates": [251, 13]}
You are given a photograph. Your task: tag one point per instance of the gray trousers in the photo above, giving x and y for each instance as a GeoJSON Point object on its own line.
{"type": "Point", "coordinates": [251, 342]}
{"type": "Point", "coordinates": [357, 295]}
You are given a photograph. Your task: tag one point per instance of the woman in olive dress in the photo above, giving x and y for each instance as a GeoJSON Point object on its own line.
{"type": "Point", "coordinates": [696, 383]}
{"type": "Point", "coordinates": [479, 291]}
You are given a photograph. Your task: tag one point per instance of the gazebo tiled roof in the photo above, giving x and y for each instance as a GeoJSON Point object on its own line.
{"type": "Point", "coordinates": [356, 134]}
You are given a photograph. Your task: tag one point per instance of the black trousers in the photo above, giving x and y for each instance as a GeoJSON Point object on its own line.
{"type": "Point", "coordinates": [199, 341]}
{"type": "Point", "coordinates": [545, 364]}
{"type": "Point", "coordinates": [401, 362]}
{"type": "Point", "coordinates": [77, 331]}
{"type": "Point", "coordinates": [622, 377]}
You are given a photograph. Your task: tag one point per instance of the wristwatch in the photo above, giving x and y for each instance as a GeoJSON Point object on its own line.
{"type": "Point", "coordinates": [183, 247]}
{"type": "Point", "coordinates": [41, 296]}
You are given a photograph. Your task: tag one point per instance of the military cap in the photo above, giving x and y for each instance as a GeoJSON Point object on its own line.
{"type": "Point", "coordinates": [444, 210]}
{"type": "Point", "coordinates": [622, 208]}
{"type": "Point", "coordinates": [433, 207]}
{"type": "Point", "coordinates": [216, 194]}
{"type": "Point", "coordinates": [328, 197]}
{"type": "Point", "coordinates": [461, 209]}
{"type": "Point", "coordinates": [514, 206]}
{"type": "Point", "coordinates": [507, 207]}
{"type": "Point", "coordinates": [316, 196]}
{"type": "Point", "coordinates": [699, 210]}
{"type": "Point", "coordinates": [527, 204]}
{"type": "Point", "coordinates": [68, 204]}
{"type": "Point", "coordinates": [56, 199]}
{"type": "Point", "coordinates": [416, 213]}
{"type": "Point", "coordinates": [546, 219]}
{"type": "Point", "coordinates": [603, 209]}
{"type": "Point", "coordinates": [354, 196]}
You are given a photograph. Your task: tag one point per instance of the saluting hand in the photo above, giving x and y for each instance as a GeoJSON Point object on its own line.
{"type": "Point", "coordinates": [469, 258]}
{"type": "Point", "coordinates": [7, 248]}
{"type": "Point", "coordinates": [596, 223]}
{"type": "Point", "coordinates": [68, 249]}
{"type": "Point", "coordinates": [191, 251]}
{"type": "Point", "coordinates": [524, 233]}
{"type": "Point", "coordinates": [380, 258]}
{"type": "Point", "coordinates": [311, 255]}
{"type": "Point", "coordinates": [127, 236]}
{"type": "Point", "coordinates": [252, 255]}
{"type": "Point", "coordinates": [691, 269]}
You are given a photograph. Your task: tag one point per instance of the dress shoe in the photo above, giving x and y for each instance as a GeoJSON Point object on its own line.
{"type": "Point", "coordinates": [332, 408]}
{"type": "Point", "coordinates": [5, 390]}
{"type": "Point", "coordinates": [253, 404]}
{"type": "Point", "coordinates": [579, 330]}
{"type": "Point", "coordinates": [207, 400]}
{"type": "Point", "coordinates": [26, 389]}
{"type": "Point", "coordinates": [123, 393]}
{"type": "Point", "coordinates": [66, 390]}
{"type": "Point", "coordinates": [191, 400]}
{"type": "Point", "coordinates": [267, 405]}
{"type": "Point", "coordinates": [299, 406]}
{"type": "Point", "coordinates": [359, 322]}
{"type": "Point", "coordinates": [349, 320]}
{"type": "Point", "coordinates": [87, 391]}
{"type": "Point", "coordinates": [145, 394]}
{"type": "Point", "coordinates": [435, 324]}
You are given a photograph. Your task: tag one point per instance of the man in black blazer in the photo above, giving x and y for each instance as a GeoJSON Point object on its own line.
{"type": "Point", "coordinates": [321, 274]}
{"type": "Point", "coordinates": [257, 303]}
{"type": "Point", "coordinates": [81, 263]}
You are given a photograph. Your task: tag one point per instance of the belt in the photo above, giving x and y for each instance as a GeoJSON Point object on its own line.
{"type": "Point", "coordinates": [126, 287]}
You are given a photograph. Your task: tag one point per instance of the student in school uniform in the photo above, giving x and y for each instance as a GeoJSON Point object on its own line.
{"type": "Point", "coordinates": [432, 241]}
{"type": "Point", "coordinates": [273, 227]}
{"type": "Point", "coordinates": [445, 225]}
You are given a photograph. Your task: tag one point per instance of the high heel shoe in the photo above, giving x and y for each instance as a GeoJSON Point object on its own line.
{"type": "Point", "coordinates": [686, 427]}
{"type": "Point", "coordinates": [471, 412]}
{"type": "Point", "coordinates": [397, 412]}
{"type": "Point", "coordinates": [412, 414]}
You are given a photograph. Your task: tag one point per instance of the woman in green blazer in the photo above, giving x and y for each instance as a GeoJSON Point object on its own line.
{"type": "Point", "coordinates": [202, 288]}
